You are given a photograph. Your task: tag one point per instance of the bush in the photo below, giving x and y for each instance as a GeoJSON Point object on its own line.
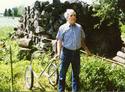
{"type": "Point", "coordinates": [99, 75]}
{"type": "Point", "coordinates": [5, 78]}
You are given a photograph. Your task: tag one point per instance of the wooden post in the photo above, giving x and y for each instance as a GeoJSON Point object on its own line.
{"type": "Point", "coordinates": [11, 62]}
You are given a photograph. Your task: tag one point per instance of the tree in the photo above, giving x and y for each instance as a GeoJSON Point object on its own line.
{"type": "Point", "coordinates": [106, 37]}
{"type": "Point", "coordinates": [107, 10]}
{"type": "Point", "coordinates": [21, 10]}
{"type": "Point", "coordinates": [9, 12]}
{"type": "Point", "coordinates": [15, 11]}
{"type": "Point", "coordinates": [6, 12]}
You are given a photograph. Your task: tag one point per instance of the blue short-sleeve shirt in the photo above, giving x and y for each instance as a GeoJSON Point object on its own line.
{"type": "Point", "coordinates": [71, 35]}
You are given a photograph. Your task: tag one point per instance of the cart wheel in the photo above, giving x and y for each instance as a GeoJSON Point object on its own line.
{"type": "Point", "coordinates": [29, 77]}
{"type": "Point", "coordinates": [53, 74]}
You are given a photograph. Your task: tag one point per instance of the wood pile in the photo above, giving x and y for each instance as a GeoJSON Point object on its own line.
{"type": "Point", "coordinates": [42, 21]}
{"type": "Point", "coordinates": [120, 56]}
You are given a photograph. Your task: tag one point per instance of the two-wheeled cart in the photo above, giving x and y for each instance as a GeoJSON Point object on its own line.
{"type": "Point", "coordinates": [50, 69]}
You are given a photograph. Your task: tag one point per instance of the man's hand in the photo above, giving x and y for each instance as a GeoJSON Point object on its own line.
{"type": "Point", "coordinates": [57, 55]}
{"type": "Point", "coordinates": [59, 46]}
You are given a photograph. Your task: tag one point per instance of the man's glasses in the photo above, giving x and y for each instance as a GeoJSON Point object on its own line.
{"type": "Point", "coordinates": [72, 15]}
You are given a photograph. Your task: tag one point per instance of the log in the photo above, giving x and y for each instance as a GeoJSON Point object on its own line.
{"type": "Point", "coordinates": [20, 33]}
{"type": "Point", "coordinates": [43, 46]}
{"type": "Point", "coordinates": [39, 29]}
{"type": "Point", "coordinates": [121, 54]}
{"type": "Point", "coordinates": [25, 49]}
{"type": "Point", "coordinates": [26, 43]}
{"type": "Point", "coordinates": [119, 59]}
{"type": "Point", "coordinates": [46, 40]}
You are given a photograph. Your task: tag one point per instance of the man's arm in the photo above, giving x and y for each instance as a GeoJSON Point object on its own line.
{"type": "Point", "coordinates": [59, 46]}
{"type": "Point", "coordinates": [85, 47]}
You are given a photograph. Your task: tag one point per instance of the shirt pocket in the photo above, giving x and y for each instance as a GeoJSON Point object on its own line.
{"type": "Point", "coordinates": [67, 36]}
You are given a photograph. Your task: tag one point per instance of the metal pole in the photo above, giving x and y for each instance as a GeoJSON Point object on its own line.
{"type": "Point", "coordinates": [11, 62]}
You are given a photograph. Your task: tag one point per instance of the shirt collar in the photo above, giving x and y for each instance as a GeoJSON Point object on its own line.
{"type": "Point", "coordinates": [69, 25]}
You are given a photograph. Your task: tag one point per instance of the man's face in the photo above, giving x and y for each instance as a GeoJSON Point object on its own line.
{"type": "Point", "coordinates": [72, 19]}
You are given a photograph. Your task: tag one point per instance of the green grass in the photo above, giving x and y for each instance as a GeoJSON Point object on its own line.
{"type": "Point", "coordinates": [123, 31]}
{"type": "Point", "coordinates": [96, 74]}
{"type": "Point", "coordinates": [5, 32]}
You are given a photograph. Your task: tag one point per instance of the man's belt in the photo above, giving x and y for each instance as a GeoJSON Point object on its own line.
{"type": "Point", "coordinates": [77, 50]}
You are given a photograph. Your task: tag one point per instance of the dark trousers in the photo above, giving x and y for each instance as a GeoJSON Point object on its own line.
{"type": "Point", "coordinates": [67, 57]}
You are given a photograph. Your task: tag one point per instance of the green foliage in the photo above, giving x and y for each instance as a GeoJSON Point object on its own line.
{"type": "Point", "coordinates": [107, 10]}
{"type": "Point", "coordinates": [4, 55]}
{"type": "Point", "coordinates": [123, 31]}
{"type": "Point", "coordinates": [98, 75]}
{"type": "Point", "coordinates": [9, 12]}
{"type": "Point", "coordinates": [16, 11]}
{"type": "Point", "coordinates": [6, 12]}
{"type": "Point", "coordinates": [20, 10]}
{"type": "Point", "coordinates": [123, 28]}
{"type": "Point", "coordinates": [5, 32]}
{"type": "Point", "coordinates": [23, 54]}
{"type": "Point", "coordinates": [4, 77]}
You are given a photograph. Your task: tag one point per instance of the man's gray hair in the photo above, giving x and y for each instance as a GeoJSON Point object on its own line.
{"type": "Point", "coordinates": [68, 13]}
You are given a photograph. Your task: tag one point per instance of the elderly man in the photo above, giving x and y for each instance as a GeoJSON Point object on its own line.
{"type": "Point", "coordinates": [70, 38]}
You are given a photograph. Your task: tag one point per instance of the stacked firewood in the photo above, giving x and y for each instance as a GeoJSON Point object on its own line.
{"type": "Point", "coordinates": [34, 26]}
{"type": "Point", "coordinates": [40, 23]}
{"type": "Point", "coordinates": [120, 56]}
